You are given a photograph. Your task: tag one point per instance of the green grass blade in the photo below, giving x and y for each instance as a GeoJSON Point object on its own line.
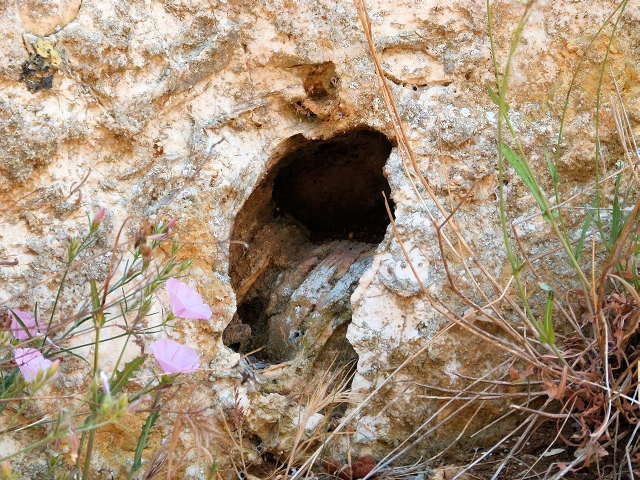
{"type": "Point", "coordinates": [548, 320]}
{"type": "Point", "coordinates": [585, 229]}
{"type": "Point", "coordinates": [616, 215]}
{"type": "Point", "coordinates": [552, 168]}
{"type": "Point", "coordinates": [521, 169]}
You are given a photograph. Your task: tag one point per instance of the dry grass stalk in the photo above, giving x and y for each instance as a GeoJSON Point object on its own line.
{"type": "Point", "coordinates": [196, 415]}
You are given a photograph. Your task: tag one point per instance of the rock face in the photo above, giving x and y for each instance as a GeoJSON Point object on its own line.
{"type": "Point", "coordinates": [129, 97]}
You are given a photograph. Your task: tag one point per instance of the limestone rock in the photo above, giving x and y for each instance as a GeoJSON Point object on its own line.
{"type": "Point", "coordinates": [143, 91]}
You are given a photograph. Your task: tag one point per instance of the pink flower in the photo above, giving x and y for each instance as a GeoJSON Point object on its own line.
{"type": "Point", "coordinates": [30, 325]}
{"type": "Point", "coordinates": [174, 357]}
{"type": "Point", "coordinates": [29, 361]}
{"type": "Point", "coordinates": [185, 302]}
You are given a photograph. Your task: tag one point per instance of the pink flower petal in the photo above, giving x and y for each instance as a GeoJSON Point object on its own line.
{"type": "Point", "coordinates": [29, 361]}
{"type": "Point", "coordinates": [186, 302]}
{"type": "Point", "coordinates": [174, 357]}
{"type": "Point", "coordinates": [29, 322]}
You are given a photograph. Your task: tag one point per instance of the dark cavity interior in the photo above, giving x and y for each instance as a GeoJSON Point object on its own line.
{"type": "Point", "coordinates": [334, 187]}
{"type": "Point", "coordinates": [312, 226]}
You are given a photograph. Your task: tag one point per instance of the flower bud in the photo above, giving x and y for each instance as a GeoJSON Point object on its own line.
{"type": "Point", "coordinates": [105, 383]}
{"type": "Point", "coordinates": [97, 219]}
{"type": "Point", "coordinates": [75, 444]}
{"type": "Point", "coordinates": [53, 369]}
{"type": "Point", "coordinates": [5, 469]}
{"type": "Point", "coordinates": [123, 403]}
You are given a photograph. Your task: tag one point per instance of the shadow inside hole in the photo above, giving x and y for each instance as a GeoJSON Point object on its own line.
{"type": "Point", "coordinates": [334, 187]}
{"type": "Point", "coordinates": [312, 225]}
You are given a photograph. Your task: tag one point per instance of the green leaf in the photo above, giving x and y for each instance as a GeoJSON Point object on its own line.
{"type": "Point", "coordinates": [98, 316]}
{"type": "Point", "coordinates": [213, 470]}
{"type": "Point", "coordinates": [10, 386]}
{"type": "Point", "coordinates": [521, 169]}
{"type": "Point", "coordinates": [552, 168]}
{"type": "Point", "coordinates": [122, 378]}
{"type": "Point", "coordinates": [496, 98]}
{"type": "Point", "coordinates": [142, 441]}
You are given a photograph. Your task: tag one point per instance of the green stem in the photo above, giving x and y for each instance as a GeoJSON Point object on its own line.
{"type": "Point", "coordinates": [124, 347]}
{"type": "Point", "coordinates": [87, 458]}
{"type": "Point", "coordinates": [502, 119]}
{"type": "Point", "coordinates": [55, 302]}
{"type": "Point", "coordinates": [98, 319]}
{"type": "Point", "coordinates": [515, 267]}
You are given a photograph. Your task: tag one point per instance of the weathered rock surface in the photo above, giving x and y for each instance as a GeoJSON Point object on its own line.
{"type": "Point", "coordinates": [143, 89]}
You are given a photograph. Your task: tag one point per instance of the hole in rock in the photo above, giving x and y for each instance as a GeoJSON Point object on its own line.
{"type": "Point", "coordinates": [334, 187]}
{"type": "Point", "coordinates": [312, 226]}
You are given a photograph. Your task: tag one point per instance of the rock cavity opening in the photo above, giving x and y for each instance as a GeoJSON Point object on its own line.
{"type": "Point", "coordinates": [312, 226]}
{"type": "Point", "coordinates": [334, 187]}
